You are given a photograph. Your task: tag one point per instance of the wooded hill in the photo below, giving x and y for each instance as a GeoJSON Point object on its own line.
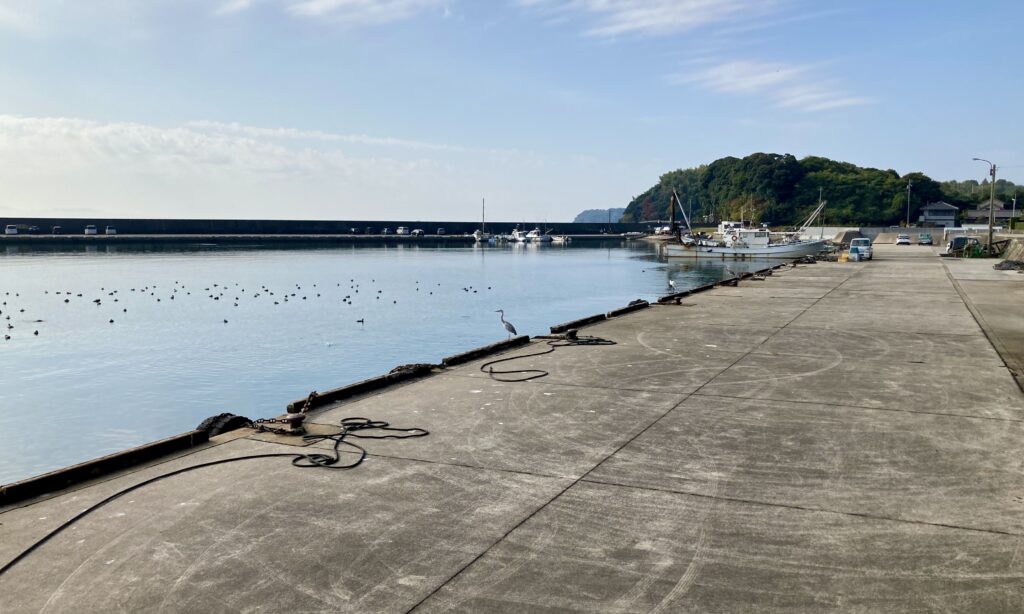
{"type": "Point", "coordinates": [782, 191]}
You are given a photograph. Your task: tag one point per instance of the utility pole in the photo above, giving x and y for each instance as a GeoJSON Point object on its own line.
{"type": "Point", "coordinates": [991, 198]}
{"type": "Point", "coordinates": [909, 183]}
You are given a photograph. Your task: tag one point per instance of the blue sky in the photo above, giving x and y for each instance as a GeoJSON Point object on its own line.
{"type": "Point", "coordinates": [336, 109]}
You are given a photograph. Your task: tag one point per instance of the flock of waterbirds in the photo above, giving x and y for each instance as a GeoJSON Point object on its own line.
{"type": "Point", "coordinates": [217, 294]}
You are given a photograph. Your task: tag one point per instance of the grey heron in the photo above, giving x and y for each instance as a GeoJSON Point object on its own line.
{"type": "Point", "coordinates": [508, 325]}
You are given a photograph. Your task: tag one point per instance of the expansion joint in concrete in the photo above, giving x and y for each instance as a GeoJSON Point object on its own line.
{"type": "Point", "coordinates": [804, 508]}
{"type": "Point", "coordinates": [864, 407]}
{"type": "Point", "coordinates": [543, 506]}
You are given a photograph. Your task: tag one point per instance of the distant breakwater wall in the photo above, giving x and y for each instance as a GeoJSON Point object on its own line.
{"type": "Point", "coordinates": [298, 227]}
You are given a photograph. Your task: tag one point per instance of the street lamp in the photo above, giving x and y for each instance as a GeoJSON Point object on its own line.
{"type": "Point", "coordinates": [991, 197]}
{"type": "Point", "coordinates": [909, 183]}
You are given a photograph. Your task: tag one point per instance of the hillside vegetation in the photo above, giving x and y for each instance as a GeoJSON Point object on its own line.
{"type": "Point", "coordinates": [782, 190]}
{"type": "Point", "coordinates": [597, 216]}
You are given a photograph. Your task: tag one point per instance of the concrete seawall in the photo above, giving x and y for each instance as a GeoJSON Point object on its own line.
{"type": "Point", "coordinates": [833, 437]}
{"type": "Point", "coordinates": [75, 226]}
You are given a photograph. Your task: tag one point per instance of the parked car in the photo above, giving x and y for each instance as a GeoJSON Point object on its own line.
{"type": "Point", "coordinates": [11, 229]}
{"type": "Point", "coordinates": [960, 243]}
{"type": "Point", "coordinates": [402, 230]}
{"type": "Point", "coordinates": [903, 240]}
{"type": "Point", "coordinates": [90, 229]}
{"type": "Point", "coordinates": [417, 233]}
{"type": "Point", "coordinates": [386, 231]}
{"type": "Point", "coordinates": [864, 247]}
{"type": "Point", "coordinates": [924, 239]}
{"type": "Point", "coordinates": [110, 230]}
{"type": "Point", "coordinates": [56, 230]}
{"type": "Point", "coordinates": [440, 231]}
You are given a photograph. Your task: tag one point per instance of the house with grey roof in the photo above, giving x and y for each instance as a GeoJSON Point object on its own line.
{"type": "Point", "coordinates": [1000, 213]}
{"type": "Point", "coordinates": [939, 215]}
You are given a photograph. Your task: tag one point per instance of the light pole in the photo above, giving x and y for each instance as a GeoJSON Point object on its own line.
{"type": "Point", "coordinates": [991, 198]}
{"type": "Point", "coordinates": [909, 183]}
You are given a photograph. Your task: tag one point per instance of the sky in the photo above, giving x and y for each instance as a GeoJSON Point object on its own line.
{"type": "Point", "coordinates": [419, 109]}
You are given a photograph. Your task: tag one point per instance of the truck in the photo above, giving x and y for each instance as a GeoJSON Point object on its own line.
{"type": "Point", "coordinates": [864, 247]}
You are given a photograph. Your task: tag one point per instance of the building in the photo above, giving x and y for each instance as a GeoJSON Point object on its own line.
{"type": "Point", "coordinates": [1001, 214]}
{"type": "Point", "coordinates": [939, 215]}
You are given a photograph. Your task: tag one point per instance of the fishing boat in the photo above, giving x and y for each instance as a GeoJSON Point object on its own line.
{"type": "Point", "coordinates": [538, 236]}
{"type": "Point", "coordinates": [733, 240]}
{"type": "Point", "coordinates": [481, 235]}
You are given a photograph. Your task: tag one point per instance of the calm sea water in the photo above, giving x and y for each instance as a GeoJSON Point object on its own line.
{"type": "Point", "coordinates": [138, 344]}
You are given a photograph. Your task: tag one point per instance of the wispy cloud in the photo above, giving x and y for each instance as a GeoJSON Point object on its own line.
{"type": "Point", "coordinates": [233, 6]}
{"type": "Point", "coordinates": [210, 169]}
{"type": "Point", "coordinates": [786, 86]}
{"type": "Point", "coordinates": [362, 12]}
{"type": "Point", "coordinates": [317, 135]}
{"type": "Point", "coordinates": [610, 18]}
{"type": "Point", "coordinates": [38, 17]}
{"type": "Point", "coordinates": [29, 144]}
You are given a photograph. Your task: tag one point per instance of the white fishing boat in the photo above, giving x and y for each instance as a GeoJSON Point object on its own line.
{"type": "Point", "coordinates": [481, 235]}
{"type": "Point", "coordinates": [741, 244]}
{"type": "Point", "coordinates": [537, 236]}
{"type": "Point", "coordinates": [518, 236]}
{"type": "Point", "coordinates": [561, 239]}
{"type": "Point", "coordinates": [735, 241]}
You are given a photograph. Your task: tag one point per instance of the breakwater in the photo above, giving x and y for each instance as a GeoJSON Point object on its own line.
{"type": "Point", "coordinates": [76, 226]}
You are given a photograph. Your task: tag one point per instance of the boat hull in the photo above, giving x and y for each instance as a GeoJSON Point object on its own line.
{"type": "Point", "coordinates": [787, 250]}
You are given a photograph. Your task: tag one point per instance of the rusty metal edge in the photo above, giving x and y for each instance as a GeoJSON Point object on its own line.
{"type": "Point", "coordinates": [628, 309]}
{"type": "Point", "coordinates": [362, 387]}
{"type": "Point", "coordinates": [671, 298]}
{"type": "Point", "coordinates": [561, 328]}
{"type": "Point", "coordinates": [484, 350]}
{"type": "Point", "coordinates": [69, 476]}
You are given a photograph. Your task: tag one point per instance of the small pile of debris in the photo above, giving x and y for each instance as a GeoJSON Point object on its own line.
{"type": "Point", "coordinates": [1009, 265]}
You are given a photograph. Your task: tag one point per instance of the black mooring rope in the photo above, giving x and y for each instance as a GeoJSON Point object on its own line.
{"type": "Point", "coordinates": [531, 374]}
{"type": "Point", "coordinates": [350, 427]}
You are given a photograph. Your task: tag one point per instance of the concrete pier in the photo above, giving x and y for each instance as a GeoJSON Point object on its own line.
{"type": "Point", "coordinates": [835, 437]}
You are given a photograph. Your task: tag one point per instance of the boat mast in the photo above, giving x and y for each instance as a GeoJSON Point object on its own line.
{"type": "Point", "coordinates": [813, 215]}
{"type": "Point", "coordinates": [686, 218]}
{"type": "Point", "coordinates": [672, 212]}
{"type": "Point", "coordinates": [483, 215]}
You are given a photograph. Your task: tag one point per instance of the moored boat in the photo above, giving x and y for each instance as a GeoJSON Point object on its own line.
{"type": "Point", "coordinates": [537, 236]}
{"type": "Point", "coordinates": [742, 244]}
{"type": "Point", "coordinates": [481, 235]}
{"type": "Point", "coordinates": [736, 241]}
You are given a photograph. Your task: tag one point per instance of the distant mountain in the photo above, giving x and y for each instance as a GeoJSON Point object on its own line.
{"type": "Point", "coordinates": [596, 216]}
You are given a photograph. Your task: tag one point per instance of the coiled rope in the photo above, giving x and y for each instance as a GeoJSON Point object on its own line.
{"type": "Point", "coordinates": [568, 340]}
{"type": "Point", "coordinates": [350, 427]}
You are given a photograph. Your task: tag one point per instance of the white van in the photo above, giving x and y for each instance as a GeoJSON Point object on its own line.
{"type": "Point", "coordinates": [10, 229]}
{"type": "Point", "coordinates": [402, 230]}
{"type": "Point", "coordinates": [90, 229]}
{"type": "Point", "coordinates": [864, 247]}
{"type": "Point", "coordinates": [111, 230]}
